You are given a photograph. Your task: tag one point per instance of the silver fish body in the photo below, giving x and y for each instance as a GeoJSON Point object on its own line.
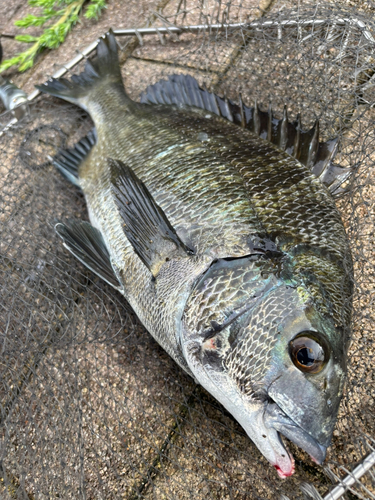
{"type": "Point", "coordinates": [249, 287]}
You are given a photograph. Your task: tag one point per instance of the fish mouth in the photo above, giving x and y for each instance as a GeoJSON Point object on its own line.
{"type": "Point", "coordinates": [275, 417]}
{"type": "Point", "coordinates": [284, 463]}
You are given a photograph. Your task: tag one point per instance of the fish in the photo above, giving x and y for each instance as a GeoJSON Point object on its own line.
{"type": "Point", "coordinates": [217, 223]}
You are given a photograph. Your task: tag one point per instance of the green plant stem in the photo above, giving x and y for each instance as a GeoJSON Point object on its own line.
{"type": "Point", "coordinates": [27, 59]}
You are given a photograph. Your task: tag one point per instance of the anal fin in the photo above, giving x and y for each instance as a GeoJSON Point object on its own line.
{"type": "Point", "coordinates": [145, 225]}
{"type": "Point", "coordinates": [87, 245]}
{"type": "Point", "coordinates": [67, 161]}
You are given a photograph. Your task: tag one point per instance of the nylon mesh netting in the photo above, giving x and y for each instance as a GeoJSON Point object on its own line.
{"type": "Point", "coordinates": [90, 406]}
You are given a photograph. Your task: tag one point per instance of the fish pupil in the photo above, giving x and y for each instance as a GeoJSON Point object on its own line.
{"type": "Point", "coordinates": [305, 356]}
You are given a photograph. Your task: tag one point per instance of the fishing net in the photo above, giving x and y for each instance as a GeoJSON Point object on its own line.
{"type": "Point", "coordinates": [90, 406]}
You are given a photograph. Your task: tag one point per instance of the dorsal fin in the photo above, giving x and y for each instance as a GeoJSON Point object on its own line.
{"type": "Point", "coordinates": [288, 136]}
{"type": "Point", "coordinates": [67, 161]}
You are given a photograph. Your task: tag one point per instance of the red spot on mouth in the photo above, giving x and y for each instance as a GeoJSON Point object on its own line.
{"type": "Point", "coordinates": [285, 473]}
{"type": "Point", "coordinates": [282, 473]}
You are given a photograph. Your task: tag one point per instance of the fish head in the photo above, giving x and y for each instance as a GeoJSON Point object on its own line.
{"type": "Point", "coordinates": [259, 345]}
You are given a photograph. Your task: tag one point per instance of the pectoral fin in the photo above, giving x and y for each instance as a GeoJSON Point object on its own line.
{"type": "Point", "coordinates": [145, 225]}
{"type": "Point", "coordinates": [87, 244]}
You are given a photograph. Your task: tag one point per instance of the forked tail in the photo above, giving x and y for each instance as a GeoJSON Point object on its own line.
{"type": "Point", "coordinates": [103, 71]}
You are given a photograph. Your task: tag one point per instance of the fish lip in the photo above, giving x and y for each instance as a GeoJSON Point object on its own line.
{"type": "Point", "coordinates": [281, 470]}
{"type": "Point", "coordinates": [284, 474]}
{"type": "Point", "coordinates": [276, 418]}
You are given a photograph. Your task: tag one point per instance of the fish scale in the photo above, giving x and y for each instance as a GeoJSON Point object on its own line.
{"type": "Point", "coordinates": [258, 347]}
{"type": "Point", "coordinates": [230, 251]}
{"type": "Point", "coordinates": [272, 182]}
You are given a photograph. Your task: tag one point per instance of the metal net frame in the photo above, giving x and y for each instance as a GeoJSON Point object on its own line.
{"type": "Point", "coordinates": [90, 406]}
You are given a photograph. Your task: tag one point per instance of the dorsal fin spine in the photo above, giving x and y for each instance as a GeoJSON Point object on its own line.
{"type": "Point", "coordinates": [165, 96]}
{"type": "Point", "coordinates": [215, 99]}
{"type": "Point", "coordinates": [152, 95]}
{"type": "Point", "coordinates": [314, 145]}
{"type": "Point", "coordinates": [284, 130]}
{"type": "Point", "coordinates": [201, 101]}
{"type": "Point", "coordinates": [242, 111]}
{"type": "Point", "coordinates": [296, 150]}
{"type": "Point", "coordinates": [256, 119]}
{"type": "Point", "coordinates": [206, 100]}
{"type": "Point", "coordinates": [229, 114]}
{"type": "Point", "coordinates": [186, 96]}
{"type": "Point", "coordinates": [269, 131]}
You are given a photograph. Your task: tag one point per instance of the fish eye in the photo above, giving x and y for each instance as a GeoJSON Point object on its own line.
{"type": "Point", "coordinates": [309, 352]}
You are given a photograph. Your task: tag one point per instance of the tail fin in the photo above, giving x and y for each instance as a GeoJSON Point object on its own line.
{"type": "Point", "coordinates": [104, 68]}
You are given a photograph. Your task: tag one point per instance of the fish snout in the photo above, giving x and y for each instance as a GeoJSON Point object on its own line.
{"type": "Point", "coordinates": [279, 421]}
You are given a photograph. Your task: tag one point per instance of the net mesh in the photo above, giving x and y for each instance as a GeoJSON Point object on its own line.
{"type": "Point", "coordinates": [90, 406]}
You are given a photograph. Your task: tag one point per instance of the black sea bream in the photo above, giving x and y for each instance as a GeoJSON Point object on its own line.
{"type": "Point", "coordinates": [229, 249]}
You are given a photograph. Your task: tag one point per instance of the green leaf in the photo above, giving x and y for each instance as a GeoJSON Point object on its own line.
{"type": "Point", "coordinates": [31, 20]}
{"type": "Point", "coordinates": [62, 14]}
{"type": "Point", "coordinates": [27, 64]}
{"type": "Point", "coordinates": [46, 4]}
{"type": "Point", "coordinates": [95, 8]}
{"type": "Point", "coordinates": [50, 12]}
{"type": "Point", "coordinates": [26, 38]}
{"type": "Point", "coordinates": [73, 19]}
{"type": "Point", "coordinates": [8, 63]}
{"type": "Point", "coordinates": [49, 39]}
